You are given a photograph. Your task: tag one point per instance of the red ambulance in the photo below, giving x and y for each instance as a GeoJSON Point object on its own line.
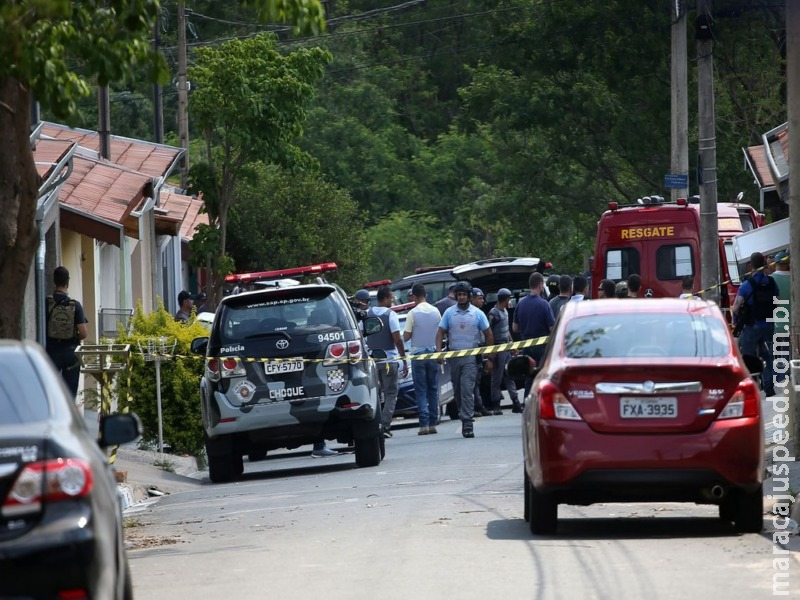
{"type": "Point", "coordinates": [660, 240]}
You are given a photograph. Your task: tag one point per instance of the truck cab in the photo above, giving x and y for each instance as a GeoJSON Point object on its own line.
{"type": "Point", "coordinates": [660, 241]}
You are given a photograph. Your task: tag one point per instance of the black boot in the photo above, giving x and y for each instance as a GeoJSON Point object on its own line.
{"type": "Point", "coordinates": [516, 407]}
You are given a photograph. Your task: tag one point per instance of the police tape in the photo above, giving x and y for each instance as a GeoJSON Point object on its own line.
{"type": "Point", "coordinates": [444, 354]}
{"type": "Point", "coordinates": [721, 283]}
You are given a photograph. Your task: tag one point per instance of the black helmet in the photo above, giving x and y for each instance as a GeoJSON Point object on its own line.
{"type": "Point", "coordinates": [463, 286]}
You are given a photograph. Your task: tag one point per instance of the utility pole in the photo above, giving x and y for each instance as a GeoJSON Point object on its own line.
{"type": "Point", "coordinates": [680, 101]}
{"type": "Point", "coordinates": [104, 122]}
{"type": "Point", "coordinates": [183, 94]}
{"type": "Point", "coordinates": [707, 153]}
{"type": "Point", "coordinates": [793, 110]}
{"type": "Point", "coordinates": [158, 104]}
{"type": "Point", "coordinates": [104, 118]}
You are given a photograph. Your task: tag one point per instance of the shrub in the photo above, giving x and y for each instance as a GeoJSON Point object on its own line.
{"type": "Point", "coordinates": [180, 381]}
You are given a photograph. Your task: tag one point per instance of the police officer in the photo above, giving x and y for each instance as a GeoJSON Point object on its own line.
{"type": "Point", "coordinates": [62, 341]}
{"type": "Point", "coordinates": [463, 324]}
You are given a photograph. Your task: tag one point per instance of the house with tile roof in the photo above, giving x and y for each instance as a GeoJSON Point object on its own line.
{"type": "Point", "coordinates": [119, 227]}
{"type": "Point", "coordinates": [769, 163]}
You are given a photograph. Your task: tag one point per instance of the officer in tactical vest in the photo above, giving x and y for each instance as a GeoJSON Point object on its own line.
{"type": "Point", "coordinates": [66, 327]}
{"type": "Point", "coordinates": [388, 339]}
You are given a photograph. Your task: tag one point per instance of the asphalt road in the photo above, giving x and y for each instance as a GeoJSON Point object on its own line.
{"type": "Point", "coordinates": [441, 517]}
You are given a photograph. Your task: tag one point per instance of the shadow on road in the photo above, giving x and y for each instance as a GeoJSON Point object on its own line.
{"type": "Point", "coordinates": [616, 528]}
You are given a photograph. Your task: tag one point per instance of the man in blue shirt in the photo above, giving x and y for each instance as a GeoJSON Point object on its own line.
{"type": "Point", "coordinates": [758, 292]}
{"type": "Point", "coordinates": [533, 318]}
{"type": "Point", "coordinates": [463, 323]}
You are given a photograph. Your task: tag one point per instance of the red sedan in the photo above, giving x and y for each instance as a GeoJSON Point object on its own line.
{"type": "Point", "coordinates": [642, 400]}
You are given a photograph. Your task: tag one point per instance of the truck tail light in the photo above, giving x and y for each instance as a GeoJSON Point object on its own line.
{"type": "Point", "coordinates": [223, 368]}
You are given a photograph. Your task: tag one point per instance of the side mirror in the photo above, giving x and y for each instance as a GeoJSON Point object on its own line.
{"type": "Point", "coordinates": [522, 366]}
{"type": "Point", "coordinates": [372, 325]}
{"type": "Point", "coordinates": [199, 345]}
{"type": "Point", "coordinates": [119, 428]}
{"type": "Point", "coordinates": [754, 364]}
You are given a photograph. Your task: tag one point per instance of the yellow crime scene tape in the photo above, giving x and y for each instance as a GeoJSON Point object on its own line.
{"type": "Point", "coordinates": [444, 354]}
{"type": "Point", "coordinates": [700, 292]}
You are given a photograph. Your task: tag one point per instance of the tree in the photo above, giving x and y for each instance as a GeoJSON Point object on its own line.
{"type": "Point", "coordinates": [53, 51]}
{"type": "Point", "coordinates": [249, 101]}
{"type": "Point", "coordinates": [282, 220]}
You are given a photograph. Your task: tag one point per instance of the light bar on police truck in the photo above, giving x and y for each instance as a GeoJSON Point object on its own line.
{"type": "Point", "coordinates": [277, 274]}
{"type": "Point", "coordinates": [375, 284]}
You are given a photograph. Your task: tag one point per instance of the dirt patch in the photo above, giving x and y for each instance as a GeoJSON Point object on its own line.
{"type": "Point", "coordinates": [136, 541]}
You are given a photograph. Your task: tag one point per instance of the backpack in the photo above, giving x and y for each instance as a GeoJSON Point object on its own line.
{"type": "Point", "coordinates": [762, 296]}
{"type": "Point", "coordinates": [60, 319]}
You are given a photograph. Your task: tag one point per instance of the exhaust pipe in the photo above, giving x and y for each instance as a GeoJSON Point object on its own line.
{"type": "Point", "coordinates": [717, 492]}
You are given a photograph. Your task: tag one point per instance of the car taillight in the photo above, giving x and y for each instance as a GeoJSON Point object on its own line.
{"type": "Point", "coordinates": [745, 401]}
{"type": "Point", "coordinates": [212, 369]}
{"type": "Point", "coordinates": [355, 350]}
{"type": "Point", "coordinates": [335, 354]}
{"type": "Point", "coordinates": [47, 481]}
{"type": "Point", "coordinates": [553, 404]}
{"type": "Point", "coordinates": [220, 368]}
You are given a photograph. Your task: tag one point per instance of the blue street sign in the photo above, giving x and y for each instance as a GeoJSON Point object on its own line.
{"type": "Point", "coordinates": [676, 181]}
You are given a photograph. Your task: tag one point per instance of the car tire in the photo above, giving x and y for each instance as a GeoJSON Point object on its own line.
{"type": "Point", "coordinates": [527, 498]}
{"type": "Point", "coordinates": [382, 443]}
{"type": "Point", "coordinates": [542, 511]}
{"type": "Point", "coordinates": [257, 455]}
{"type": "Point", "coordinates": [749, 517]}
{"type": "Point", "coordinates": [224, 468]}
{"type": "Point", "coordinates": [368, 451]}
{"type": "Point", "coordinates": [727, 510]}
{"type": "Point", "coordinates": [127, 589]}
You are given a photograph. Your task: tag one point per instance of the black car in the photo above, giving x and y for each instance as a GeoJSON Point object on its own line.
{"type": "Point", "coordinates": [60, 517]}
{"type": "Point", "coordinates": [437, 281]}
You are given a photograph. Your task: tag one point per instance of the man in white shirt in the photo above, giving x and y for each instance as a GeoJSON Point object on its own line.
{"type": "Point", "coordinates": [422, 323]}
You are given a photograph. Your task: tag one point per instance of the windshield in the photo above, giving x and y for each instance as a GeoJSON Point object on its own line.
{"type": "Point", "coordinates": [279, 314]}
{"type": "Point", "coordinates": [663, 334]}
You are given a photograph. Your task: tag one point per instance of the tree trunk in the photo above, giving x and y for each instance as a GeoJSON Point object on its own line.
{"type": "Point", "coordinates": [19, 190]}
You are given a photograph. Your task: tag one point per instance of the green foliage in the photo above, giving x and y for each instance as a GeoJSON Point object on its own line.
{"type": "Point", "coordinates": [44, 41]}
{"type": "Point", "coordinates": [407, 240]}
{"type": "Point", "coordinates": [282, 220]}
{"type": "Point", "coordinates": [180, 381]}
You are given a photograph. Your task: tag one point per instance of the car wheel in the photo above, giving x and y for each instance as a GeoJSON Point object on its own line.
{"type": "Point", "coordinates": [452, 410]}
{"type": "Point", "coordinates": [127, 590]}
{"type": "Point", "coordinates": [527, 498]}
{"type": "Point", "coordinates": [382, 443]}
{"type": "Point", "coordinates": [749, 517]}
{"type": "Point", "coordinates": [727, 509]}
{"type": "Point", "coordinates": [542, 511]}
{"type": "Point", "coordinates": [225, 468]}
{"type": "Point", "coordinates": [368, 451]}
{"type": "Point", "coordinates": [257, 455]}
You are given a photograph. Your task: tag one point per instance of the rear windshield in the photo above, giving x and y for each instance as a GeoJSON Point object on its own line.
{"type": "Point", "coordinates": [289, 311]}
{"type": "Point", "coordinates": [22, 398]}
{"type": "Point", "coordinates": [668, 335]}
